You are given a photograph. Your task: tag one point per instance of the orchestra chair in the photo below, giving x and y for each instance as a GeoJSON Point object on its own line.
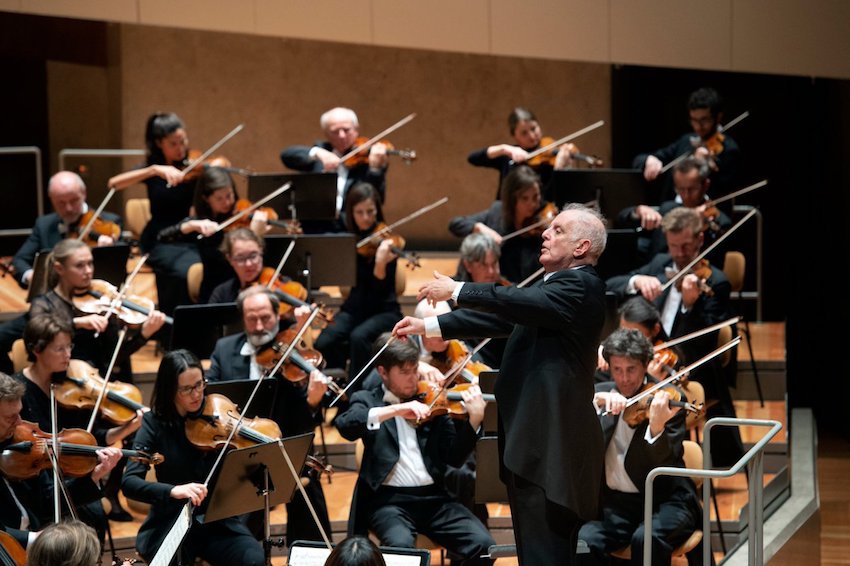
{"type": "Point", "coordinates": [734, 267]}
{"type": "Point", "coordinates": [422, 541]}
{"type": "Point", "coordinates": [18, 355]}
{"type": "Point", "coordinates": [693, 459]}
{"type": "Point", "coordinates": [193, 280]}
{"type": "Point", "coordinates": [137, 213]}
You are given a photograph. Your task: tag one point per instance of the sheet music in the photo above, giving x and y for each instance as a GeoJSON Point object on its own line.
{"type": "Point", "coordinates": [175, 536]}
{"type": "Point", "coordinates": [306, 556]}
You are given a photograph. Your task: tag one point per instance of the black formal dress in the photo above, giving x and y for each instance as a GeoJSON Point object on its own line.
{"type": "Point", "coordinates": [550, 443]}
{"type": "Point", "coordinates": [397, 513]}
{"type": "Point", "coordinates": [221, 543]}
{"type": "Point", "coordinates": [504, 165]}
{"type": "Point", "coordinates": [677, 511]}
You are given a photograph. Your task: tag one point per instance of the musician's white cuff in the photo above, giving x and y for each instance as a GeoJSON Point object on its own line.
{"type": "Point", "coordinates": [372, 421]}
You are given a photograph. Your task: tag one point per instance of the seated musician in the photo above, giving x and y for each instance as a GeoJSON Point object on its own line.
{"type": "Point", "coordinates": [69, 543]}
{"type": "Point", "coordinates": [49, 342]}
{"type": "Point", "coordinates": [27, 505]}
{"type": "Point", "coordinates": [400, 490]}
{"type": "Point", "coordinates": [297, 406]}
{"type": "Point", "coordinates": [214, 202]}
{"type": "Point", "coordinates": [178, 393]}
{"type": "Point", "coordinates": [95, 335]}
{"type": "Point", "coordinates": [633, 449]}
{"type": "Point", "coordinates": [243, 250]}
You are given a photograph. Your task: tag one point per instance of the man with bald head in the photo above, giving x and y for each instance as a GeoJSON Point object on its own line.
{"type": "Point", "coordinates": [67, 193]}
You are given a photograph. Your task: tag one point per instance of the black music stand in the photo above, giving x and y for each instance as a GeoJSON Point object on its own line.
{"type": "Point", "coordinates": [314, 553]}
{"type": "Point", "coordinates": [613, 189]}
{"type": "Point", "coordinates": [310, 199]}
{"type": "Point", "coordinates": [487, 383]}
{"type": "Point", "coordinates": [38, 284]}
{"type": "Point", "coordinates": [488, 485]}
{"type": "Point", "coordinates": [198, 327]}
{"type": "Point", "coordinates": [255, 478]}
{"type": "Point", "coordinates": [110, 263]}
{"type": "Point", "coordinates": [621, 253]}
{"type": "Point", "coordinates": [316, 260]}
{"type": "Point", "coordinates": [239, 391]}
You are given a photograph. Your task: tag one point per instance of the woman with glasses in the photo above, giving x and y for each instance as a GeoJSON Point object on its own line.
{"type": "Point", "coordinates": [179, 393]}
{"type": "Point", "coordinates": [243, 250]}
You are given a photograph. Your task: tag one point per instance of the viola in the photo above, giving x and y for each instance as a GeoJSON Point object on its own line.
{"type": "Point", "coordinates": [445, 401]}
{"type": "Point", "coordinates": [370, 248]}
{"type": "Point", "coordinates": [362, 157]}
{"type": "Point", "coordinates": [289, 226]}
{"type": "Point", "coordinates": [11, 551]}
{"type": "Point", "coordinates": [82, 386]}
{"type": "Point", "coordinates": [549, 157]}
{"type": "Point", "coordinates": [210, 428]}
{"type": "Point", "coordinates": [456, 353]}
{"type": "Point", "coordinates": [639, 412]}
{"type": "Point", "coordinates": [100, 227]}
{"type": "Point", "coordinates": [27, 455]}
{"type": "Point", "coordinates": [98, 298]}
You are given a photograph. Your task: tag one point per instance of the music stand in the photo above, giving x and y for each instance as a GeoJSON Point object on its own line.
{"type": "Point", "coordinates": [488, 485]}
{"type": "Point", "coordinates": [314, 553]}
{"type": "Point", "coordinates": [312, 196]}
{"type": "Point", "coordinates": [198, 327]}
{"type": "Point", "coordinates": [110, 263]}
{"type": "Point", "coordinates": [239, 391]}
{"type": "Point", "coordinates": [613, 189]}
{"type": "Point", "coordinates": [40, 274]}
{"type": "Point", "coordinates": [621, 253]}
{"type": "Point", "coordinates": [316, 260]}
{"type": "Point", "coordinates": [487, 383]}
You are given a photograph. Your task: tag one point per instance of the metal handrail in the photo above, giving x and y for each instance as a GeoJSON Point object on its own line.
{"type": "Point", "coordinates": [96, 153]}
{"type": "Point", "coordinates": [754, 459]}
{"type": "Point", "coordinates": [38, 180]}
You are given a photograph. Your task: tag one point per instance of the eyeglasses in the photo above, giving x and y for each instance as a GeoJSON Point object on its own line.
{"type": "Point", "coordinates": [189, 389]}
{"type": "Point", "coordinates": [250, 258]}
{"type": "Point", "coordinates": [59, 349]}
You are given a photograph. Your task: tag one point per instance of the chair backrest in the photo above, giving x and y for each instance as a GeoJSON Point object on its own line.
{"type": "Point", "coordinates": [18, 355]}
{"type": "Point", "coordinates": [734, 266]}
{"type": "Point", "coordinates": [693, 458]}
{"type": "Point", "coordinates": [724, 335]}
{"type": "Point", "coordinates": [193, 280]}
{"type": "Point", "coordinates": [695, 394]}
{"type": "Point", "coordinates": [137, 213]}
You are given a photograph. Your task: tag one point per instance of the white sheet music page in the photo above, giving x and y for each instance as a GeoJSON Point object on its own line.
{"type": "Point", "coordinates": [175, 536]}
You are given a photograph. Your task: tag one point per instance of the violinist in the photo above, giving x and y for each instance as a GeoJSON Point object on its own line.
{"type": "Point", "coordinates": [341, 129]}
{"type": "Point", "coordinates": [243, 250]}
{"type": "Point", "coordinates": [27, 505]}
{"type": "Point", "coordinates": [631, 453]}
{"type": "Point", "coordinates": [171, 196]}
{"type": "Point", "coordinates": [95, 335]}
{"type": "Point", "coordinates": [178, 393]}
{"type": "Point", "coordinates": [527, 135]}
{"type": "Point", "coordinates": [214, 202]}
{"type": "Point", "coordinates": [691, 183]}
{"type": "Point", "coordinates": [297, 407]}
{"type": "Point", "coordinates": [400, 489]}
{"type": "Point", "coordinates": [372, 305]}
{"type": "Point", "coordinates": [700, 301]}
{"type": "Point", "coordinates": [705, 112]}
{"type": "Point", "coordinates": [518, 207]}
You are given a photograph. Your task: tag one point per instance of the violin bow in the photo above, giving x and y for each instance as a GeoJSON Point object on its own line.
{"type": "Point", "coordinates": [95, 215]}
{"type": "Point", "coordinates": [377, 234]}
{"type": "Point", "coordinates": [521, 231]}
{"type": "Point", "coordinates": [214, 147]}
{"type": "Point", "coordinates": [279, 267]}
{"type": "Point", "coordinates": [707, 250]}
{"type": "Point", "coordinates": [361, 372]}
{"type": "Point", "coordinates": [118, 301]}
{"type": "Point", "coordinates": [675, 377]}
{"type": "Point", "coordinates": [455, 371]}
{"type": "Point", "coordinates": [375, 139]}
{"type": "Point", "coordinates": [564, 140]}
{"type": "Point", "coordinates": [737, 193]}
{"type": "Point", "coordinates": [278, 191]}
{"type": "Point", "coordinates": [720, 129]}
{"type": "Point", "coordinates": [697, 333]}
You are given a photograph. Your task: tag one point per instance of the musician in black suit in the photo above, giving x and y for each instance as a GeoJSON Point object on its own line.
{"type": "Point", "coordinates": [696, 304]}
{"type": "Point", "coordinates": [297, 407]}
{"type": "Point", "coordinates": [400, 490]}
{"type": "Point", "coordinates": [633, 447]}
{"type": "Point", "coordinates": [549, 441]}
{"type": "Point", "coordinates": [27, 505]}
{"type": "Point", "coordinates": [341, 129]}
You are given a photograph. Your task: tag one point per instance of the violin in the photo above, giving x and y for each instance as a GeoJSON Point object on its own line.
{"type": "Point", "coordinates": [28, 455]}
{"type": "Point", "coordinates": [289, 227]}
{"type": "Point", "coordinates": [362, 157]}
{"type": "Point", "coordinates": [445, 401]}
{"type": "Point", "coordinates": [714, 143]}
{"type": "Point", "coordinates": [370, 248]}
{"type": "Point", "coordinates": [291, 294]}
{"type": "Point", "coordinates": [301, 361]}
{"type": "Point", "coordinates": [534, 226]}
{"type": "Point", "coordinates": [210, 428]}
{"type": "Point", "coordinates": [636, 413]}
{"type": "Point", "coordinates": [549, 157]}
{"type": "Point", "coordinates": [99, 228]}
{"type": "Point", "coordinates": [456, 353]}
{"type": "Point", "coordinates": [6, 267]}
{"type": "Point", "coordinates": [11, 551]}
{"type": "Point", "coordinates": [81, 387]}
{"type": "Point", "coordinates": [702, 269]}
{"type": "Point", "coordinates": [98, 298]}
{"type": "Point", "coordinates": [195, 173]}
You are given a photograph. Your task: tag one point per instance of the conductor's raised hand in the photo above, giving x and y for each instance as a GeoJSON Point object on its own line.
{"type": "Point", "coordinates": [439, 289]}
{"type": "Point", "coordinates": [409, 325]}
